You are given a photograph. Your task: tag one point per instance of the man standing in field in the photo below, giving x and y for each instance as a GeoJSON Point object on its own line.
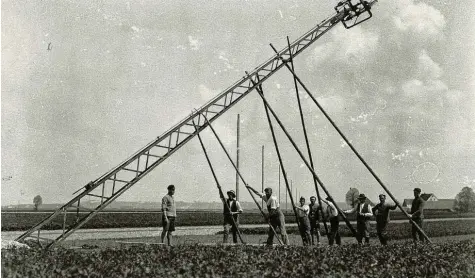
{"type": "Point", "coordinates": [276, 217]}
{"type": "Point", "coordinates": [417, 214]}
{"type": "Point", "coordinates": [304, 222]}
{"type": "Point", "coordinates": [363, 215]}
{"type": "Point", "coordinates": [332, 214]}
{"type": "Point", "coordinates": [314, 217]}
{"type": "Point", "coordinates": [168, 214]}
{"type": "Point", "coordinates": [381, 211]}
{"type": "Point", "coordinates": [233, 205]}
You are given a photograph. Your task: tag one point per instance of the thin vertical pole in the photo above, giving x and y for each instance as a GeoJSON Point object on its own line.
{"type": "Point", "coordinates": [221, 195]}
{"type": "Point", "coordinates": [279, 186]}
{"type": "Point", "coordinates": [286, 200]}
{"type": "Point", "coordinates": [262, 172]}
{"type": "Point", "coordinates": [237, 159]}
{"type": "Point", "coordinates": [242, 178]}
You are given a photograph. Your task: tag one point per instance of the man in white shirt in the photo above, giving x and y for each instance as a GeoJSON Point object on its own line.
{"type": "Point", "coordinates": [332, 214]}
{"type": "Point", "coordinates": [363, 215]}
{"type": "Point", "coordinates": [276, 217]}
{"type": "Point", "coordinates": [168, 214]}
{"type": "Point", "coordinates": [304, 223]}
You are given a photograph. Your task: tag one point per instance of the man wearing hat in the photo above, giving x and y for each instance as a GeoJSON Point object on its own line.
{"type": "Point", "coordinates": [363, 215]}
{"type": "Point", "coordinates": [276, 217]}
{"type": "Point", "coordinates": [168, 214]}
{"type": "Point", "coordinates": [381, 211]}
{"type": "Point", "coordinates": [332, 214]}
{"type": "Point", "coordinates": [229, 215]}
{"type": "Point", "coordinates": [417, 214]}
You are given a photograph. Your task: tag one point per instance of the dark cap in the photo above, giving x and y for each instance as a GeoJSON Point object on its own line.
{"type": "Point", "coordinates": [268, 189]}
{"type": "Point", "coordinates": [302, 198]}
{"type": "Point", "coordinates": [382, 195]}
{"type": "Point", "coordinates": [171, 187]}
{"type": "Point", "coordinates": [231, 192]}
{"type": "Point", "coordinates": [417, 189]}
{"type": "Point", "coordinates": [362, 196]}
{"type": "Point", "coordinates": [313, 197]}
{"type": "Point", "coordinates": [328, 198]}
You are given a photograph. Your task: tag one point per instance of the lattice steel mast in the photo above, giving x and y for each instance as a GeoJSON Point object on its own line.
{"type": "Point", "coordinates": [112, 184]}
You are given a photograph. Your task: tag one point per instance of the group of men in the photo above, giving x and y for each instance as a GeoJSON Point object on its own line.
{"type": "Point", "coordinates": [309, 217]}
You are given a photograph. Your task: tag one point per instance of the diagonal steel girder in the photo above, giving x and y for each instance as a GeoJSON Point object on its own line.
{"type": "Point", "coordinates": [120, 178]}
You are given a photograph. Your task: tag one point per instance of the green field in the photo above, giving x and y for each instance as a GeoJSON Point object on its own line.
{"type": "Point", "coordinates": [17, 221]}
{"type": "Point", "coordinates": [400, 259]}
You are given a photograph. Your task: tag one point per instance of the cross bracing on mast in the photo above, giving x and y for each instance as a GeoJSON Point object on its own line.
{"type": "Point", "coordinates": [106, 188]}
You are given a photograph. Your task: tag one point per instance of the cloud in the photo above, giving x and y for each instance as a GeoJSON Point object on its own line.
{"type": "Point", "coordinates": [222, 57]}
{"type": "Point", "coordinates": [418, 18]}
{"type": "Point", "coordinates": [427, 68]}
{"type": "Point", "coordinates": [418, 89]}
{"type": "Point", "coordinates": [194, 43]}
{"type": "Point", "coordinates": [349, 48]}
{"type": "Point", "coordinates": [206, 93]}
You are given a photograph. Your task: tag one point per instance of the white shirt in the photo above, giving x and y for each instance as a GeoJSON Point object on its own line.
{"type": "Point", "coordinates": [272, 202]}
{"type": "Point", "coordinates": [304, 212]}
{"type": "Point", "coordinates": [168, 205]}
{"type": "Point", "coordinates": [331, 209]}
{"type": "Point", "coordinates": [369, 214]}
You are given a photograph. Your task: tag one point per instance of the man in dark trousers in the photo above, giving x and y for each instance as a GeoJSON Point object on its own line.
{"type": "Point", "coordinates": [363, 215]}
{"type": "Point", "coordinates": [304, 223]}
{"type": "Point", "coordinates": [381, 211]}
{"type": "Point", "coordinates": [314, 217]}
{"type": "Point", "coordinates": [417, 214]}
{"type": "Point", "coordinates": [233, 204]}
{"type": "Point", "coordinates": [332, 214]}
{"type": "Point", "coordinates": [276, 217]}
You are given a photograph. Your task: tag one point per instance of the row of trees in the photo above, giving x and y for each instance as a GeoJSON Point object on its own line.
{"type": "Point", "coordinates": [464, 201]}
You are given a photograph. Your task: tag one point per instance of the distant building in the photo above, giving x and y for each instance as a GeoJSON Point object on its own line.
{"type": "Point", "coordinates": [432, 202]}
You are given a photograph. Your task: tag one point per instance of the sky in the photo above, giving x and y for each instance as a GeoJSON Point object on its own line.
{"type": "Point", "coordinates": [85, 84]}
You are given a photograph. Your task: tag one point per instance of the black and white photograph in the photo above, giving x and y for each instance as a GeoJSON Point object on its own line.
{"type": "Point", "coordinates": [237, 138]}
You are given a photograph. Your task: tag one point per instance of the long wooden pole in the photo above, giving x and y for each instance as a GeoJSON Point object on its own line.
{"type": "Point", "coordinates": [352, 148]}
{"type": "Point", "coordinates": [221, 195]}
{"type": "Point", "coordinates": [237, 157]}
{"type": "Point", "coordinates": [241, 177]}
{"type": "Point", "coordinates": [262, 172]}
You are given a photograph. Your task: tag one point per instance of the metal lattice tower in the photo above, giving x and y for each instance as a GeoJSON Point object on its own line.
{"type": "Point", "coordinates": [112, 184]}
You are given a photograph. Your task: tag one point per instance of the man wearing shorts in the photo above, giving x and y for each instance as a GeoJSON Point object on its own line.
{"type": "Point", "coordinates": [168, 214]}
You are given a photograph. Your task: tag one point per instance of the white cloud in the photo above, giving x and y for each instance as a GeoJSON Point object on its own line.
{"type": "Point", "coordinates": [349, 48]}
{"type": "Point", "coordinates": [194, 43]}
{"type": "Point", "coordinates": [135, 28]}
{"type": "Point", "coordinates": [331, 104]}
{"type": "Point", "coordinates": [427, 68]}
{"type": "Point", "coordinates": [418, 88]}
{"type": "Point", "coordinates": [418, 18]}
{"type": "Point", "coordinates": [205, 93]}
{"type": "Point", "coordinates": [222, 57]}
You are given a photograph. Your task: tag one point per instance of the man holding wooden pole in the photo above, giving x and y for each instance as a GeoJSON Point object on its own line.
{"type": "Point", "coordinates": [276, 217]}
